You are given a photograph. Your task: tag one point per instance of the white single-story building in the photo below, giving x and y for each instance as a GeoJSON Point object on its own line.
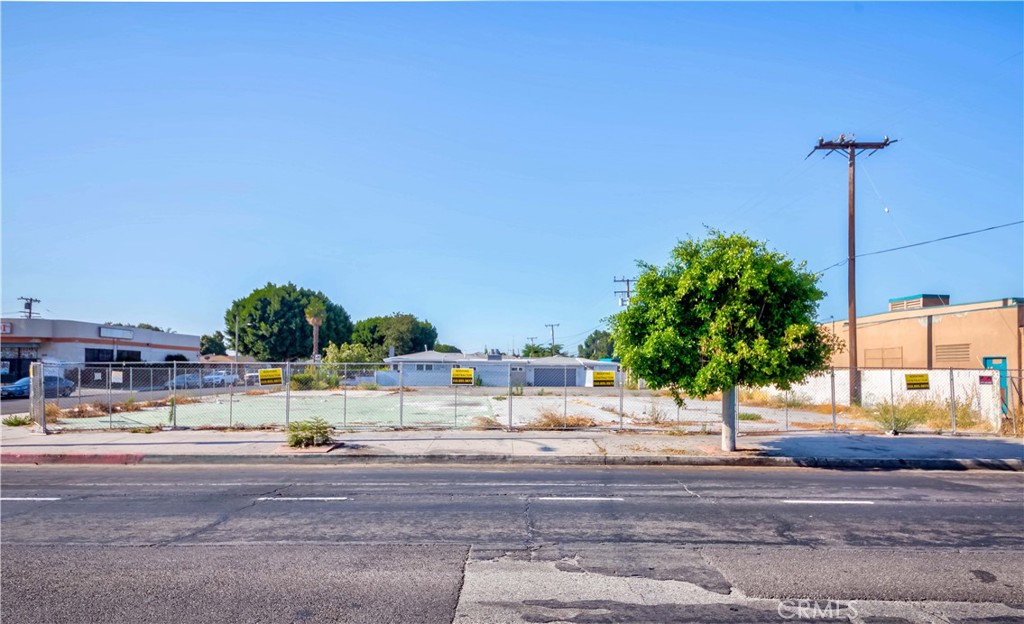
{"type": "Point", "coordinates": [23, 341]}
{"type": "Point", "coordinates": [430, 368]}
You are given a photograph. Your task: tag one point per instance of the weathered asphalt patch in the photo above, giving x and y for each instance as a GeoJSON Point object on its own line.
{"type": "Point", "coordinates": [350, 583]}
{"type": "Point", "coordinates": [874, 574]}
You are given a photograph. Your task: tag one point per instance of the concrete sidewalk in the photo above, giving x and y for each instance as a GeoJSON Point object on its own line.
{"type": "Point", "coordinates": [812, 449]}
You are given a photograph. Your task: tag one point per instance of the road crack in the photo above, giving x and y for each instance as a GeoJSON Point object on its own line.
{"type": "Point", "coordinates": [221, 519]}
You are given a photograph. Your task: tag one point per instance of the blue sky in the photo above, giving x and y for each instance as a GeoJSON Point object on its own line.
{"type": "Point", "coordinates": [491, 167]}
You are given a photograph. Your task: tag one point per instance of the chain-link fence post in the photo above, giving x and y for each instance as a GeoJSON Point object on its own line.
{"type": "Point", "coordinates": [110, 404]}
{"type": "Point", "coordinates": [401, 395]}
{"type": "Point", "coordinates": [231, 403]}
{"type": "Point", "coordinates": [622, 396]}
{"type": "Point", "coordinates": [344, 397]}
{"type": "Point", "coordinates": [833, 399]}
{"type": "Point", "coordinates": [150, 378]}
{"type": "Point", "coordinates": [952, 402]}
{"type": "Point", "coordinates": [565, 392]}
{"type": "Point", "coordinates": [287, 393]}
{"type": "Point", "coordinates": [456, 406]}
{"type": "Point", "coordinates": [174, 378]}
{"type": "Point", "coordinates": [37, 395]}
{"type": "Point", "coordinates": [892, 402]}
{"type": "Point", "coordinates": [80, 385]}
{"type": "Point", "coordinates": [510, 397]}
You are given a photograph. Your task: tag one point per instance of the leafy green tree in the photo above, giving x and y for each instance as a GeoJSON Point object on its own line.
{"type": "Point", "coordinates": [404, 332]}
{"type": "Point", "coordinates": [166, 330]}
{"type": "Point", "coordinates": [273, 327]}
{"type": "Point", "coordinates": [337, 354]}
{"type": "Point", "coordinates": [724, 311]}
{"type": "Point", "coordinates": [446, 348]}
{"type": "Point", "coordinates": [537, 351]}
{"type": "Point", "coordinates": [212, 344]}
{"type": "Point", "coordinates": [597, 345]}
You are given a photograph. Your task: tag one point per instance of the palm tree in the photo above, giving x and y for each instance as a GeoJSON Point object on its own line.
{"type": "Point", "coordinates": [315, 313]}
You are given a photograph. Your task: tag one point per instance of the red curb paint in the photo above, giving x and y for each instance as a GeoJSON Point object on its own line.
{"type": "Point", "coordinates": [71, 458]}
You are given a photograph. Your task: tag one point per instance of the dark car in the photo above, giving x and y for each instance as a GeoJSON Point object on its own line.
{"type": "Point", "coordinates": [53, 386]}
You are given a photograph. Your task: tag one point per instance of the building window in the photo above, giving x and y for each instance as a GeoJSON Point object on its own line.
{"type": "Point", "coordinates": [886, 357]}
{"type": "Point", "coordinates": [99, 355]}
{"type": "Point", "coordinates": [129, 356]}
{"type": "Point", "coordinates": [953, 352]}
{"type": "Point", "coordinates": [424, 367]}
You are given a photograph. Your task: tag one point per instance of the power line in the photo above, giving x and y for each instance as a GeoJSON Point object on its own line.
{"type": "Point", "coordinates": [927, 242]}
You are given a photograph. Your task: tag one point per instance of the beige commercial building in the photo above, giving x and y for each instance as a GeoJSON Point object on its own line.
{"type": "Point", "coordinates": [927, 332]}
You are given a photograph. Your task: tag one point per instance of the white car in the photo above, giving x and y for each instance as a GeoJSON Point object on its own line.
{"type": "Point", "coordinates": [220, 378]}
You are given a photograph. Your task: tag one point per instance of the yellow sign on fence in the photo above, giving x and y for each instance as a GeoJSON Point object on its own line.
{"type": "Point", "coordinates": [604, 379]}
{"type": "Point", "coordinates": [271, 377]}
{"type": "Point", "coordinates": [917, 381]}
{"type": "Point", "coordinates": [462, 376]}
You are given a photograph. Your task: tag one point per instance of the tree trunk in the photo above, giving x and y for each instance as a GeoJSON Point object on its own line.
{"type": "Point", "coordinates": [316, 339]}
{"type": "Point", "coordinates": [729, 420]}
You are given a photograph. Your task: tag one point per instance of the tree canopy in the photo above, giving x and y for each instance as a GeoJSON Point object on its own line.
{"type": "Point", "coordinates": [166, 330]}
{"type": "Point", "coordinates": [724, 311]}
{"type": "Point", "coordinates": [273, 326]}
{"type": "Point", "coordinates": [212, 344]}
{"type": "Point", "coordinates": [538, 350]}
{"type": "Point", "coordinates": [336, 354]}
{"type": "Point", "coordinates": [446, 348]}
{"type": "Point", "coordinates": [404, 332]}
{"type": "Point", "coordinates": [597, 345]}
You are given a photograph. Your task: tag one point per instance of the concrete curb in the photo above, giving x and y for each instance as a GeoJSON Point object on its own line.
{"type": "Point", "coordinates": [1011, 465]}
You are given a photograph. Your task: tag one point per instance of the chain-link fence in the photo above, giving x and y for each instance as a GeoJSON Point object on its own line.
{"type": "Point", "coordinates": [503, 395]}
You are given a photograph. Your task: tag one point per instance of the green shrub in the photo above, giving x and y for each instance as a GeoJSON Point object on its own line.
{"type": "Point", "coordinates": [748, 416]}
{"type": "Point", "coordinates": [303, 381]}
{"type": "Point", "coordinates": [368, 386]}
{"type": "Point", "coordinates": [17, 421]}
{"type": "Point", "coordinates": [313, 432]}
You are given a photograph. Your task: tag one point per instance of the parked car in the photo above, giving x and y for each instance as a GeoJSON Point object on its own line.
{"type": "Point", "coordinates": [188, 380]}
{"type": "Point", "coordinates": [53, 386]}
{"type": "Point", "coordinates": [220, 378]}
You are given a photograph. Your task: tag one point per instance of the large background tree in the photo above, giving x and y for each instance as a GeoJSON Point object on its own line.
{"type": "Point", "coordinates": [212, 344]}
{"type": "Point", "coordinates": [404, 332]}
{"type": "Point", "coordinates": [597, 345]}
{"type": "Point", "coordinates": [539, 350]}
{"type": "Point", "coordinates": [273, 327]}
{"type": "Point", "coordinates": [725, 311]}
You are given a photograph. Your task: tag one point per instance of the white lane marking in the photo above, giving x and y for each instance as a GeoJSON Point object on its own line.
{"type": "Point", "coordinates": [828, 502]}
{"type": "Point", "coordinates": [28, 498]}
{"type": "Point", "coordinates": [302, 498]}
{"type": "Point", "coordinates": [355, 484]}
{"type": "Point", "coordinates": [578, 498]}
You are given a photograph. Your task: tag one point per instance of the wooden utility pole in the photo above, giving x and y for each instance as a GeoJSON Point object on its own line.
{"type": "Point", "coordinates": [28, 305]}
{"type": "Point", "coordinates": [628, 293]}
{"type": "Point", "coordinates": [852, 148]}
{"type": "Point", "coordinates": [552, 326]}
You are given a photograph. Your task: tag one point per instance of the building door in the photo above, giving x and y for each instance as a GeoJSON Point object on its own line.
{"type": "Point", "coordinates": [554, 377]}
{"type": "Point", "coordinates": [999, 364]}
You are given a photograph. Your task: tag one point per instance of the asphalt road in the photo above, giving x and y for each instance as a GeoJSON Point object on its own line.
{"type": "Point", "coordinates": [442, 544]}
